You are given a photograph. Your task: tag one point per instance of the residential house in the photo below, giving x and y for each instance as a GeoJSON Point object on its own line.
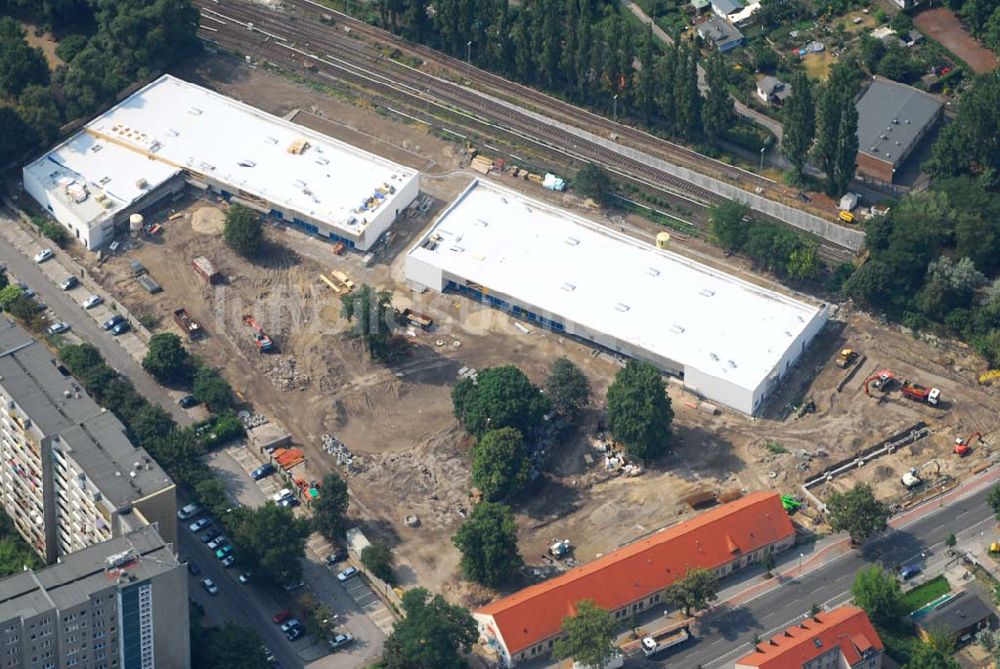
{"type": "Point", "coordinates": [772, 90]}
{"type": "Point", "coordinates": [720, 32]}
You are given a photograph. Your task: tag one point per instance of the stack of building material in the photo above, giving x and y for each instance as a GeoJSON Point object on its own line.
{"type": "Point", "coordinates": [482, 164]}
{"type": "Point", "coordinates": [288, 457]}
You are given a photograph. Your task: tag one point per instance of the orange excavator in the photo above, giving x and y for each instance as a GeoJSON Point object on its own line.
{"type": "Point", "coordinates": [264, 343]}
{"type": "Point", "coordinates": [881, 380]}
{"type": "Point", "coordinates": [964, 446]}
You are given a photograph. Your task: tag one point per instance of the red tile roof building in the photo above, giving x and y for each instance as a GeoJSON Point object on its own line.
{"type": "Point", "coordinates": [842, 638]}
{"type": "Point", "coordinates": [633, 578]}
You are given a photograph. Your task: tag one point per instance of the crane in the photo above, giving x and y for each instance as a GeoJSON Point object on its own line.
{"type": "Point", "coordinates": [264, 343]}
{"type": "Point", "coordinates": [964, 446]}
{"type": "Point", "coordinates": [880, 381]}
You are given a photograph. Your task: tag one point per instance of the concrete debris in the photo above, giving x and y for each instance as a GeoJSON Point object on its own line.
{"type": "Point", "coordinates": [283, 373]}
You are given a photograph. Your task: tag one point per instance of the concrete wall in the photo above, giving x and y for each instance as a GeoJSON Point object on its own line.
{"type": "Point", "coordinates": [171, 631]}
{"type": "Point", "coordinates": [400, 201]}
{"type": "Point", "coordinates": [160, 509]}
{"type": "Point", "coordinates": [719, 390]}
{"type": "Point", "coordinates": [791, 356]}
{"type": "Point", "coordinates": [90, 238]}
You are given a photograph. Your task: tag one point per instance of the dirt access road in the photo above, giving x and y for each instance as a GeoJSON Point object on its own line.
{"type": "Point", "coordinates": [942, 25]}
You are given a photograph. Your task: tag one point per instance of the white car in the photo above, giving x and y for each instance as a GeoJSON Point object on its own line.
{"type": "Point", "coordinates": [347, 574]}
{"type": "Point", "coordinates": [340, 641]}
{"type": "Point", "coordinates": [210, 585]}
{"type": "Point", "coordinates": [43, 255]}
{"type": "Point", "coordinates": [58, 328]}
{"type": "Point", "coordinates": [92, 301]}
{"type": "Point", "coordinates": [189, 511]}
{"type": "Point", "coordinates": [200, 524]}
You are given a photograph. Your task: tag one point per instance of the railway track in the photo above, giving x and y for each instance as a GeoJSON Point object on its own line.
{"type": "Point", "coordinates": [287, 39]}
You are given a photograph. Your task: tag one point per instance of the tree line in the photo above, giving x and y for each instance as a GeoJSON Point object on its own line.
{"type": "Point", "coordinates": [105, 45]}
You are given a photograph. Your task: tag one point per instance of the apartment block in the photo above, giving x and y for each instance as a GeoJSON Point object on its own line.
{"type": "Point", "coordinates": [70, 476]}
{"type": "Point", "coordinates": [121, 604]}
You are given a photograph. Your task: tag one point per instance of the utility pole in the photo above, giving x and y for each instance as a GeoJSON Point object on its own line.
{"type": "Point", "coordinates": [762, 150]}
{"type": "Point", "coordinates": [615, 113]}
{"type": "Point", "coordinates": [468, 52]}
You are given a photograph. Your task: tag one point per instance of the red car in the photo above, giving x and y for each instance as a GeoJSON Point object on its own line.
{"type": "Point", "coordinates": [281, 616]}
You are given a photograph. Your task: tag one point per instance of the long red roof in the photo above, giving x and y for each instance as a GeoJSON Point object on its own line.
{"type": "Point", "coordinates": [847, 627]}
{"type": "Point", "coordinates": [640, 569]}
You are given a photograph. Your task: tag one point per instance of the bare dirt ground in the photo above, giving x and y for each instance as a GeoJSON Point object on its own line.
{"type": "Point", "coordinates": [46, 43]}
{"type": "Point", "coordinates": [942, 25]}
{"type": "Point", "coordinates": [413, 457]}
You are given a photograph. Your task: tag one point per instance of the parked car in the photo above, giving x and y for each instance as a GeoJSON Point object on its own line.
{"type": "Point", "coordinates": [909, 571]}
{"type": "Point", "coordinates": [246, 577]}
{"type": "Point", "coordinates": [43, 255]}
{"type": "Point", "coordinates": [293, 586]}
{"type": "Point", "coordinates": [338, 555]}
{"type": "Point", "coordinates": [289, 503]}
{"type": "Point", "coordinates": [295, 633]}
{"type": "Point", "coordinates": [193, 568]}
{"type": "Point", "coordinates": [210, 585]}
{"type": "Point", "coordinates": [290, 623]}
{"type": "Point", "coordinates": [217, 542]}
{"type": "Point", "coordinates": [58, 328]}
{"type": "Point", "coordinates": [263, 471]}
{"type": "Point", "coordinates": [224, 551]}
{"type": "Point", "coordinates": [189, 511]}
{"type": "Point", "coordinates": [340, 641]}
{"type": "Point", "coordinates": [121, 328]}
{"type": "Point", "coordinates": [188, 401]}
{"type": "Point", "coordinates": [113, 321]}
{"type": "Point", "coordinates": [69, 283]}
{"type": "Point", "coordinates": [92, 301]}
{"type": "Point", "coordinates": [200, 524]}
{"type": "Point", "coordinates": [228, 561]}
{"type": "Point", "coordinates": [281, 616]}
{"type": "Point", "coordinates": [347, 574]}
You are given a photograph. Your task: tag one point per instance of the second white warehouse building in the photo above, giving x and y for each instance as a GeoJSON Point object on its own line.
{"type": "Point", "coordinates": [729, 340]}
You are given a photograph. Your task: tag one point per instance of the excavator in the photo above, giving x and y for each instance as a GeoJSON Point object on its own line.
{"type": "Point", "coordinates": [964, 446]}
{"type": "Point", "coordinates": [264, 343]}
{"type": "Point", "coordinates": [881, 380]}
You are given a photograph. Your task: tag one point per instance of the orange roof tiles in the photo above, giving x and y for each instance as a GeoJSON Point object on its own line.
{"type": "Point", "coordinates": [643, 568]}
{"type": "Point", "coordinates": [847, 627]}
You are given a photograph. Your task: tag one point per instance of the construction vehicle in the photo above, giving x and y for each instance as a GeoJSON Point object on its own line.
{"type": "Point", "coordinates": [263, 342]}
{"type": "Point", "coordinates": [989, 377]}
{"type": "Point", "coordinates": [881, 380]}
{"type": "Point", "coordinates": [964, 446]}
{"type": "Point", "coordinates": [920, 393]}
{"type": "Point", "coordinates": [668, 637]}
{"type": "Point", "coordinates": [846, 357]}
{"type": "Point", "coordinates": [790, 503]}
{"type": "Point", "coordinates": [422, 321]}
{"type": "Point", "coordinates": [910, 479]}
{"type": "Point", "coordinates": [188, 325]}
{"type": "Point", "coordinates": [559, 549]}
{"type": "Point", "coordinates": [342, 278]}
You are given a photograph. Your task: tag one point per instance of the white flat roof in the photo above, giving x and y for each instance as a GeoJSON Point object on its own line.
{"type": "Point", "coordinates": [171, 125]}
{"type": "Point", "coordinates": [609, 283]}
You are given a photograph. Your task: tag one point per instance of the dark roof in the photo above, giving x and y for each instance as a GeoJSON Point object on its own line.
{"type": "Point", "coordinates": [963, 610]}
{"type": "Point", "coordinates": [719, 31]}
{"type": "Point", "coordinates": [726, 6]}
{"type": "Point", "coordinates": [897, 112]}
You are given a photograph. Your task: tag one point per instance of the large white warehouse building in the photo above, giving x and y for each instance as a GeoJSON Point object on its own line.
{"type": "Point", "coordinates": [172, 132]}
{"type": "Point", "coordinates": [730, 340]}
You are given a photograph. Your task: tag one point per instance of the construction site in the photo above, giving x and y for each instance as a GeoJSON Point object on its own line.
{"type": "Point", "coordinates": [273, 327]}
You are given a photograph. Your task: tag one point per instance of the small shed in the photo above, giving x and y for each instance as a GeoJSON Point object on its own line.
{"type": "Point", "coordinates": [700, 5]}
{"type": "Point", "coordinates": [959, 617]}
{"type": "Point", "coordinates": [849, 201]}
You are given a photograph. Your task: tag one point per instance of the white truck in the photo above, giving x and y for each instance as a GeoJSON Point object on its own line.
{"type": "Point", "coordinates": [665, 638]}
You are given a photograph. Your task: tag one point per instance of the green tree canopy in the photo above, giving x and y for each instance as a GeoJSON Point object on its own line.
{"type": "Point", "coordinates": [488, 543]}
{"type": "Point", "coordinates": [593, 181]}
{"type": "Point", "coordinates": [588, 636]}
{"type": "Point", "coordinates": [567, 388]}
{"type": "Point", "coordinates": [799, 122]}
{"type": "Point", "coordinates": [20, 64]}
{"type": "Point", "coordinates": [857, 512]}
{"type": "Point", "coordinates": [15, 554]}
{"type": "Point", "coordinates": [695, 591]}
{"type": "Point", "coordinates": [729, 224]}
{"type": "Point", "coordinates": [639, 411]}
{"type": "Point", "coordinates": [243, 231]}
{"type": "Point", "coordinates": [167, 359]}
{"type": "Point", "coordinates": [717, 113]}
{"type": "Point", "coordinates": [209, 387]}
{"type": "Point", "coordinates": [878, 593]}
{"type": "Point", "coordinates": [149, 423]}
{"type": "Point", "coordinates": [499, 397]}
{"type": "Point", "coordinates": [271, 541]}
{"type": "Point", "coordinates": [378, 559]}
{"type": "Point", "coordinates": [432, 635]}
{"type": "Point", "coordinates": [329, 508]}
{"type": "Point", "coordinates": [931, 655]}
{"type": "Point", "coordinates": [500, 465]}
{"type": "Point", "coordinates": [372, 316]}
{"type": "Point", "coordinates": [229, 647]}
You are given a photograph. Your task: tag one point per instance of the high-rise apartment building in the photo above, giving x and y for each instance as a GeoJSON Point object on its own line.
{"type": "Point", "coordinates": [121, 604]}
{"type": "Point", "coordinates": [70, 477]}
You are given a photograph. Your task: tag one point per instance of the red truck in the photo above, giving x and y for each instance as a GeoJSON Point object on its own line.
{"type": "Point", "coordinates": [920, 393]}
{"type": "Point", "coordinates": [205, 269]}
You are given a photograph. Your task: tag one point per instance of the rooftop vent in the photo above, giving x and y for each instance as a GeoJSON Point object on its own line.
{"type": "Point", "coordinates": [907, 121]}
{"type": "Point", "coordinates": [713, 357]}
{"type": "Point", "coordinates": [622, 307]}
{"type": "Point", "coordinates": [194, 111]}
{"type": "Point", "coordinates": [568, 287]}
{"type": "Point", "coordinates": [705, 292]}
{"type": "Point", "coordinates": [481, 223]}
{"type": "Point", "coordinates": [677, 329]}
{"type": "Point", "coordinates": [172, 133]}
{"type": "Point", "coordinates": [652, 271]}
{"type": "Point", "coordinates": [895, 121]}
{"type": "Point", "coordinates": [271, 140]}
{"type": "Point", "coordinates": [572, 241]}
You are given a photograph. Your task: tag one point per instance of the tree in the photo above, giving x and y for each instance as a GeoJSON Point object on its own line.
{"type": "Point", "coordinates": [488, 543]}
{"type": "Point", "coordinates": [79, 358]}
{"type": "Point", "coordinates": [10, 294]}
{"type": "Point", "coordinates": [717, 113]}
{"type": "Point", "coordinates": [37, 106]}
{"type": "Point", "coordinates": [639, 411]}
{"type": "Point", "coordinates": [990, 641]}
{"type": "Point", "coordinates": [499, 397]}
{"type": "Point", "coordinates": [878, 593]}
{"type": "Point", "coordinates": [729, 224]}
{"type": "Point", "coordinates": [799, 123]}
{"type": "Point", "coordinates": [378, 559]}
{"type": "Point", "coordinates": [243, 231]}
{"type": "Point", "coordinates": [373, 318]}
{"type": "Point", "coordinates": [229, 647]}
{"type": "Point", "coordinates": [587, 636]}
{"type": "Point", "coordinates": [209, 387]}
{"type": "Point", "coordinates": [567, 388]}
{"type": "Point", "coordinates": [993, 499]}
{"type": "Point", "coordinates": [271, 541]}
{"type": "Point", "coordinates": [846, 159]}
{"type": "Point", "coordinates": [149, 423]}
{"type": "Point", "coordinates": [15, 554]}
{"type": "Point", "coordinates": [971, 143]}
{"type": "Point", "coordinates": [769, 564]}
{"type": "Point", "coordinates": [167, 359]}
{"type": "Point", "coordinates": [593, 181]}
{"type": "Point", "coordinates": [433, 635]}
{"type": "Point", "coordinates": [930, 655]}
{"type": "Point", "coordinates": [803, 262]}
{"type": "Point", "coordinates": [25, 309]}
{"type": "Point", "coordinates": [20, 64]}
{"type": "Point", "coordinates": [331, 505]}
{"type": "Point", "coordinates": [857, 512]}
{"type": "Point", "coordinates": [949, 286]}
{"type": "Point", "coordinates": [951, 540]}
{"type": "Point", "coordinates": [836, 131]}
{"type": "Point", "coordinates": [16, 136]}
{"type": "Point", "coordinates": [500, 465]}
{"type": "Point", "coordinates": [695, 591]}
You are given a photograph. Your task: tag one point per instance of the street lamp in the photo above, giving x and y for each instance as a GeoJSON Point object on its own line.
{"type": "Point", "coordinates": [468, 52]}
{"type": "Point", "coordinates": [615, 113]}
{"type": "Point", "coordinates": [801, 555]}
{"type": "Point", "coordinates": [762, 150]}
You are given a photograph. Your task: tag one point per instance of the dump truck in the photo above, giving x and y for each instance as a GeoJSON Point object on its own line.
{"type": "Point", "coordinates": [422, 321]}
{"type": "Point", "coordinates": [666, 638]}
{"type": "Point", "coordinates": [188, 325]}
{"type": "Point", "coordinates": [205, 269]}
{"type": "Point", "coordinates": [920, 393]}
{"type": "Point", "coordinates": [846, 357]}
